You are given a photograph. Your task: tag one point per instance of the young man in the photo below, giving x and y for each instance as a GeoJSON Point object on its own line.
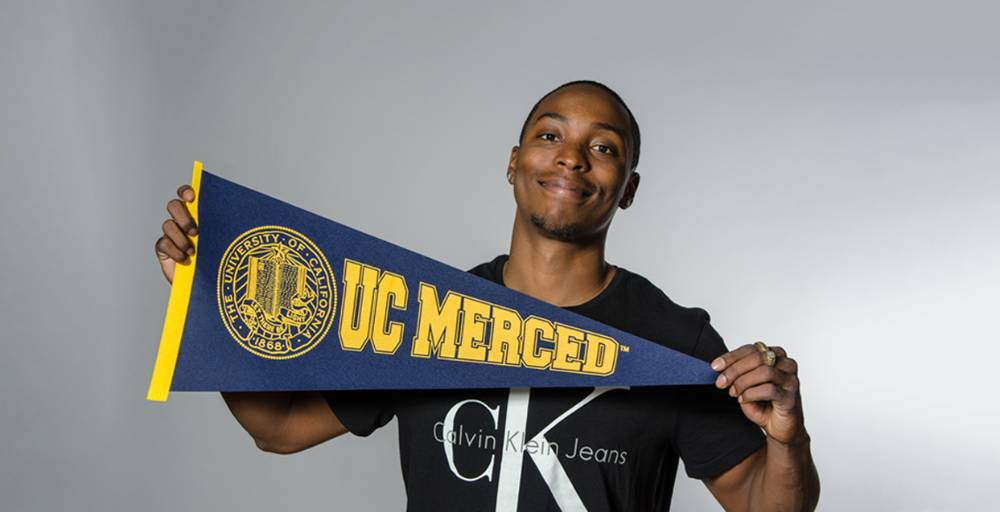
{"type": "Point", "coordinates": [569, 449]}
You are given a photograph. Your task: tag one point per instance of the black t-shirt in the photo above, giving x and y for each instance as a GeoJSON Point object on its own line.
{"type": "Point", "coordinates": [567, 448]}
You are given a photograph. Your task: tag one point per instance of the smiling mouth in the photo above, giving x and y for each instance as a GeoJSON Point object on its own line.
{"type": "Point", "coordinates": [566, 189]}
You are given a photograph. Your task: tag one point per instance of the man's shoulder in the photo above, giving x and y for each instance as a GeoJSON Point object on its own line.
{"type": "Point", "coordinates": [644, 294]}
{"type": "Point", "coordinates": [656, 315]}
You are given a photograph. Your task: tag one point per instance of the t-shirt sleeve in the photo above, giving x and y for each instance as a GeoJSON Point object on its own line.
{"type": "Point", "coordinates": [711, 433]}
{"type": "Point", "coordinates": [362, 412]}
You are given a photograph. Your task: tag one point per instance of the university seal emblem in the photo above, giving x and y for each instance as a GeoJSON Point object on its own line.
{"type": "Point", "coordinates": [276, 292]}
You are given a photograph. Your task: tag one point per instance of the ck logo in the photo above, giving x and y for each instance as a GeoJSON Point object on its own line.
{"type": "Point", "coordinates": [516, 445]}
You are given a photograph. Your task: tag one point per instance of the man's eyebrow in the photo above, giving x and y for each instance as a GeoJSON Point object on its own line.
{"type": "Point", "coordinates": [599, 125]}
{"type": "Point", "coordinates": [610, 127]}
{"type": "Point", "coordinates": [553, 115]}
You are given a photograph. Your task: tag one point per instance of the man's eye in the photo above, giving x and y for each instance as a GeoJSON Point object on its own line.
{"type": "Point", "coordinates": [548, 136]}
{"type": "Point", "coordinates": [604, 149]}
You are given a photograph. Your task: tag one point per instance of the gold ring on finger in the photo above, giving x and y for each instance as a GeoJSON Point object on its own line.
{"type": "Point", "coordinates": [760, 346]}
{"type": "Point", "coordinates": [770, 357]}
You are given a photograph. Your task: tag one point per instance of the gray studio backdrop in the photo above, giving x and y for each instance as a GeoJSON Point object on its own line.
{"type": "Point", "coordinates": [820, 177]}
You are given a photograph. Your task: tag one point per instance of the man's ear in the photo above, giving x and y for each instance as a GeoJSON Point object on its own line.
{"type": "Point", "coordinates": [511, 168]}
{"type": "Point", "coordinates": [630, 189]}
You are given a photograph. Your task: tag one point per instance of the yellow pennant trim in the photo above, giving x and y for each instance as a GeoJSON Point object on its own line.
{"type": "Point", "coordinates": [177, 307]}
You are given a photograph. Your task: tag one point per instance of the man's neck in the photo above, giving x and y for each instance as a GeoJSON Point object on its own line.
{"type": "Point", "coordinates": [554, 271]}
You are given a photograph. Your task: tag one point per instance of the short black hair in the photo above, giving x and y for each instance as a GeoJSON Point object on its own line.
{"type": "Point", "coordinates": [633, 125]}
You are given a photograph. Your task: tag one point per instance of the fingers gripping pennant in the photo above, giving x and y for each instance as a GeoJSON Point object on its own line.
{"type": "Point", "coordinates": [280, 299]}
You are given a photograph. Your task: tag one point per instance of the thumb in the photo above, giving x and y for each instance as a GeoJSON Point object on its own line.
{"type": "Point", "coordinates": [167, 266]}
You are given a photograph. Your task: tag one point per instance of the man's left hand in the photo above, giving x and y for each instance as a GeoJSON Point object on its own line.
{"type": "Point", "coordinates": [768, 395]}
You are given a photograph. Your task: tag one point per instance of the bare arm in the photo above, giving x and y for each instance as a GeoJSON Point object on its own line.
{"type": "Point", "coordinates": [781, 476]}
{"type": "Point", "coordinates": [277, 422]}
{"type": "Point", "coordinates": [285, 422]}
{"type": "Point", "coordinates": [776, 477]}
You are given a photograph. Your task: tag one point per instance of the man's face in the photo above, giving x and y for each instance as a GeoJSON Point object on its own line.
{"type": "Point", "coordinates": [571, 170]}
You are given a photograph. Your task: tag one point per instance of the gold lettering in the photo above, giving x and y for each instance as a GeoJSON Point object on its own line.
{"type": "Point", "coordinates": [537, 329]}
{"type": "Point", "coordinates": [437, 323]}
{"type": "Point", "coordinates": [471, 345]}
{"type": "Point", "coordinates": [568, 340]}
{"type": "Point", "coordinates": [360, 282]}
{"type": "Point", "coordinates": [386, 336]}
{"type": "Point", "coordinates": [505, 337]}
{"type": "Point", "coordinates": [602, 355]}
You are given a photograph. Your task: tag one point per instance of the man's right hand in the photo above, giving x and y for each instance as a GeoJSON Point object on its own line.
{"type": "Point", "coordinates": [175, 245]}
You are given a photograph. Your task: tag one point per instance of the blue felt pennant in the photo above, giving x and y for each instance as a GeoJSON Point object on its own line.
{"type": "Point", "coordinates": [281, 299]}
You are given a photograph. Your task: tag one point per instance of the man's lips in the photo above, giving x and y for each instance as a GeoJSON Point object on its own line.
{"type": "Point", "coordinates": [566, 188]}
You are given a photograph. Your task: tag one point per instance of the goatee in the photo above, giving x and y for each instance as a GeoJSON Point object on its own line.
{"type": "Point", "coordinates": [564, 232]}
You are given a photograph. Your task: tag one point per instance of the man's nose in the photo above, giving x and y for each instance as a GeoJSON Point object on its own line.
{"type": "Point", "coordinates": [572, 158]}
